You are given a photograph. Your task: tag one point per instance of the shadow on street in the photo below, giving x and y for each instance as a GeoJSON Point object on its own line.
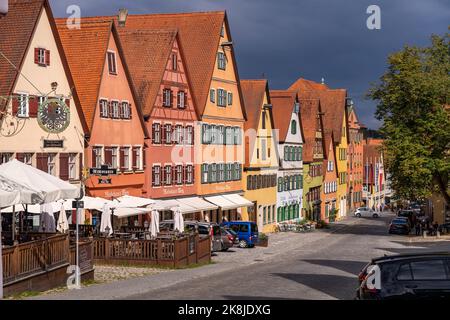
{"type": "Point", "coordinates": [353, 267]}
{"type": "Point", "coordinates": [339, 287]}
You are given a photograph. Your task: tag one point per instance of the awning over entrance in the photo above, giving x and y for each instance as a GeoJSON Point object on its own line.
{"type": "Point", "coordinates": [198, 203]}
{"type": "Point", "coordinates": [170, 205]}
{"type": "Point", "coordinates": [239, 200]}
{"type": "Point", "coordinates": [229, 202]}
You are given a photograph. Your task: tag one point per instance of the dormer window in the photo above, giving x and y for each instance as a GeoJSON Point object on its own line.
{"type": "Point", "coordinates": [293, 127]}
{"type": "Point", "coordinates": [112, 66]}
{"type": "Point", "coordinates": [42, 57]}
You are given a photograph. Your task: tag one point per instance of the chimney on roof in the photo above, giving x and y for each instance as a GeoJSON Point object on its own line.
{"type": "Point", "coordinates": [323, 80]}
{"type": "Point", "coordinates": [123, 14]}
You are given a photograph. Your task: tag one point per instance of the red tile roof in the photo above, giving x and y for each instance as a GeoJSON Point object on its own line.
{"type": "Point", "coordinates": [253, 92]}
{"type": "Point", "coordinates": [86, 51]}
{"type": "Point", "coordinates": [307, 85]}
{"type": "Point", "coordinates": [199, 34]}
{"type": "Point", "coordinates": [147, 68]}
{"type": "Point", "coordinates": [16, 30]}
{"type": "Point", "coordinates": [309, 109]}
{"type": "Point", "coordinates": [283, 102]}
{"type": "Point", "coordinates": [332, 102]}
{"type": "Point", "coordinates": [15, 39]}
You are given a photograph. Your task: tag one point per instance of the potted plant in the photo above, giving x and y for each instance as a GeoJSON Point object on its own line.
{"type": "Point", "coordinates": [263, 240]}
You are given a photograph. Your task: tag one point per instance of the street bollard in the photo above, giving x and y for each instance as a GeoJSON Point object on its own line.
{"type": "Point", "coordinates": [438, 234]}
{"type": "Point", "coordinates": [425, 234]}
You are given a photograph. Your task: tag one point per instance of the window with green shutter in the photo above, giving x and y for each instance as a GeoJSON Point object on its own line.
{"type": "Point", "coordinates": [300, 150]}
{"type": "Point", "coordinates": [205, 173]}
{"type": "Point", "coordinates": [280, 184]}
{"type": "Point", "coordinates": [294, 127]}
{"type": "Point", "coordinates": [292, 154]}
{"type": "Point", "coordinates": [286, 153]}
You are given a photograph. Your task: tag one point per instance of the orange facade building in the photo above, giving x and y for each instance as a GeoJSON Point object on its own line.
{"type": "Point", "coordinates": [116, 128]}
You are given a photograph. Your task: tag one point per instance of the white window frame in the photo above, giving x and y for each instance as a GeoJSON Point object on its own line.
{"type": "Point", "coordinates": [115, 111]}
{"type": "Point", "coordinates": [168, 134]}
{"type": "Point", "coordinates": [127, 157]}
{"type": "Point", "coordinates": [41, 56]}
{"type": "Point", "coordinates": [221, 60]}
{"type": "Point", "coordinates": [111, 53]}
{"type": "Point", "coordinates": [73, 166]}
{"type": "Point", "coordinates": [104, 112]}
{"type": "Point", "coordinates": [189, 132]}
{"type": "Point", "coordinates": [168, 182]}
{"type": "Point", "coordinates": [139, 158]}
{"type": "Point", "coordinates": [51, 163]}
{"type": "Point", "coordinates": [189, 173]}
{"type": "Point", "coordinates": [179, 174]}
{"type": "Point", "coordinates": [24, 105]}
{"type": "Point", "coordinates": [98, 156]}
{"type": "Point", "coordinates": [114, 154]}
{"type": "Point", "coordinates": [157, 175]}
{"type": "Point", "coordinates": [158, 136]}
{"type": "Point", "coordinates": [125, 110]}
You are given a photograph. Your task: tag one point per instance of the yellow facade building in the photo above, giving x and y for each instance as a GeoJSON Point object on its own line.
{"type": "Point", "coordinates": [261, 164]}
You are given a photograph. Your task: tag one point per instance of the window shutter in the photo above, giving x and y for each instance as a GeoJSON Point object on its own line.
{"type": "Point", "coordinates": [15, 104]}
{"type": "Point", "coordinates": [93, 158]}
{"type": "Point", "coordinates": [192, 135]}
{"type": "Point", "coordinates": [108, 156]}
{"type": "Point", "coordinates": [36, 55]}
{"type": "Point", "coordinates": [144, 158]}
{"type": "Point", "coordinates": [153, 132]}
{"type": "Point", "coordinates": [110, 109]}
{"type": "Point", "coordinates": [80, 165]}
{"type": "Point", "coordinates": [171, 98]}
{"type": "Point", "coordinates": [163, 134]}
{"type": "Point", "coordinates": [185, 100]}
{"type": "Point", "coordinates": [33, 104]}
{"type": "Point", "coordinates": [178, 100]}
{"type": "Point", "coordinates": [121, 107]}
{"type": "Point", "coordinates": [153, 176]}
{"type": "Point", "coordinates": [174, 175]}
{"type": "Point", "coordinates": [129, 111]}
{"type": "Point", "coordinates": [135, 166]}
{"type": "Point", "coordinates": [20, 157]}
{"type": "Point", "coordinates": [47, 57]}
{"type": "Point", "coordinates": [42, 161]}
{"type": "Point", "coordinates": [64, 166]}
{"type": "Point", "coordinates": [122, 159]}
{"type": "Point", "coordinates": [68, 103]}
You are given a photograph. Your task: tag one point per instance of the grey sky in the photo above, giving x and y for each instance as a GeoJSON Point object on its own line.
{"type": "Point", "coordinates": [288, 39]}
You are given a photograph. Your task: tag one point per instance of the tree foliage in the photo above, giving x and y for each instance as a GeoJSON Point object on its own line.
{"type": "Point", "coordinates": [413, 103]}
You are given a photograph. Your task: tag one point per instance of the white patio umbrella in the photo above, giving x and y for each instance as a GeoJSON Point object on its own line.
{"type": "Point", "coordinates": [106, 219]}
{"type": "Point", "coordinates": [47, 223]}
{"type": "Point", "coordinates": [45, 187]}
{"type": "Point", "coordinates": [63, 224]}
{"type": "Point", "coordinates": [154, 224]}
{"type": "Point", "coordinates": [178, 219]}
{"type": "Point", "coordinates": [133, 202]}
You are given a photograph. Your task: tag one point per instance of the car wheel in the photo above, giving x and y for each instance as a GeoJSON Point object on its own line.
{"type": "Point", "coordinates": [358, 215]}
{"type": "Point", "coordinates": [375, 215]}
{"type": "Point", "coordinates": [243, 244]}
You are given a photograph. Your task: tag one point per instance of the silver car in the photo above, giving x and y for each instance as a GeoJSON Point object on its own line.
{"type": "Point", "coordinates": [366, 212]}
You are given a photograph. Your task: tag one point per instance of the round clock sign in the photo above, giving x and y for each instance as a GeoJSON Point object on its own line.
{"type": "Point", "coordinates": [53, 115]}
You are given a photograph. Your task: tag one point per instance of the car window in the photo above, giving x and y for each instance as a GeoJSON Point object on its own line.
{"type": "Point", "coordinates": [429, 270]}
{"type": "Point", "coordinates": [190, 227]}
{"type": "Point", "coordinates": [254, 228]}
{"type": "Point", "coordinates": [404, 272]}
{"type": "Point", "coordinates": [235, 228]}
{"type": "Point", "coordinates": [203, 230]}
{"type": "Point", "coordinates": [243, 228]}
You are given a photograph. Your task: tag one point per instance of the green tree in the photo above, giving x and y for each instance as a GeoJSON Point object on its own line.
{"type": "Point", "coordinates": [413, 103]}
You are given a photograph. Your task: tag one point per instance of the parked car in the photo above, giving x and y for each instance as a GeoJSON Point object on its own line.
{"type": "Point", "coordinates": [203, 228]}
{"type": "Point", "coordinates": [366, 212]}
{"type": "Point", "coordinates": [400, 225]}
{"type": "Point", "coordinates": [410, 214]}
{"type": "Point", "coordinates": [247, 232]}
{"type": "Point", "coordinates": [227, 239]}
{"type": "Point", "coordinates": [412, 276]}
{"type": "Point", "coordinates": [234, 234]}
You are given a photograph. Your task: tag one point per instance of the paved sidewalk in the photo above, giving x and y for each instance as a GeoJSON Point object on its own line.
{"type": "Point", "coordinates": [281, 243]}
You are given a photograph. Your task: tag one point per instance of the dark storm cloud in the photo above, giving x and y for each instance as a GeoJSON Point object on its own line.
{"type": "Point", "coordinates": [287, 39]}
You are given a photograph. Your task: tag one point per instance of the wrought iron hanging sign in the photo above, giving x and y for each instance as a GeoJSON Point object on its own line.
{"type": "Point", "coordinates": [53, 115]}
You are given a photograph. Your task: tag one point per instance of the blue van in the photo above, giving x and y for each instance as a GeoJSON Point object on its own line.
{"type": "Point", "coordinates": [247, 232]}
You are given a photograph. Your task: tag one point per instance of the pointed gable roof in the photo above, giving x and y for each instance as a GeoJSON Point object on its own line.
{"type": "Point", "coordinates": [147, 68]}
{"type": "Point", "coordinates": [86, 49]}
{"type": "Point", "coordinates": [307, 85]}
{"type": "Point", "coordinates": [283, 103]}
{"type": "Point", "coordinates": [16, 31]}
{"type": "Point", "coordinates": [332, 102]}
{"type": "Point", "coordinates": [253, 92]}
{"type": "Point", "coordinates": [199, 35]}
{"type": "Point", "coordinates": [309, 109]}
